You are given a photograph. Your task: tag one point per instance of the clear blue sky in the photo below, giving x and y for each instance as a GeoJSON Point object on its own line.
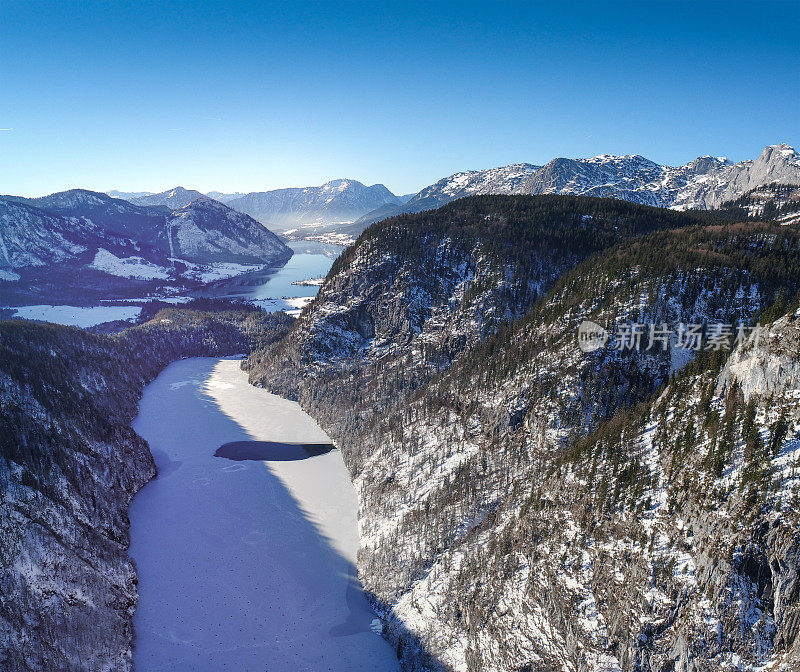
{"type": "Point", "coordinates": [251, 96]}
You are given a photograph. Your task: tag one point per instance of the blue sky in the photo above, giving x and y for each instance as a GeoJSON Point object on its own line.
{"type": "Point", "coordinates": [252, 96]}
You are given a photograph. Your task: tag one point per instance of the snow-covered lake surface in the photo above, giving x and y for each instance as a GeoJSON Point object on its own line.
{"type": "Point", "coordinates": [244, 566]}
{"type": "Point", "coordinates": [77, 316]}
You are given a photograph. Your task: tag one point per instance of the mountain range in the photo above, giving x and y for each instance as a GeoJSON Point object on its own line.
{"type": "Point", "coordinates": [346, 207]}
{"type": "Point", "coordinates": [78, 239]}
{"type": "Point", "coordinates": [314, 209]}
{"type": "Point", "coordinates": [297, 212]}
{"type": "Point", "coordinates": [524, 505]}
{"type": "Point", "coordinates": [163, 236]}
{"type": "Point", "coordinates": [703, 183]}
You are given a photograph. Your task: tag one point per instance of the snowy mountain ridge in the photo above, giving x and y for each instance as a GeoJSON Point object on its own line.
{"type": "Point", "coordinates": [314, 208]}
{"type": "Point", "coordinates": [206, 231]}
{"type": "Point", "coordinates": [703, 183]}
{"type": "Point", "coordinates": [200, 231]}
{"type": "Point", "coordinates": [346, 206]}
{"type": "Point", "coordinates": [172, 198]}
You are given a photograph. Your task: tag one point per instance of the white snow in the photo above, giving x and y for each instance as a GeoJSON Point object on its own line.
{"type": "Point", "coordinates": [244, 565]}
{"type": "Point", "coordinates": [8, 275]}
{"type": "Point", "coordinates": [77, 316]}
{"type": "Point", "coordinates": [311, 282]}
{"type": "Point", "coordinates": [292, 305]}
{"type": "Point", "coordinates": [206, 273]}
{"type": "Point", "coordinates": [4, 250]}
{"type": "Point", "coordinates": [332, 238]}
{"type": "Point", "coordinates": [128, 267]}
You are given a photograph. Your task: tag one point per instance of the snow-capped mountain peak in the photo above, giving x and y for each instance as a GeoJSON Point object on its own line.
{"type": "Point", "coordinates": [704, 182]}
{"type": "Point", "coordinates": [501, 180]}
{"type": "Point", "coordinates": [336, 201]}
{"type": "Point", "coordinates": [172, 198]}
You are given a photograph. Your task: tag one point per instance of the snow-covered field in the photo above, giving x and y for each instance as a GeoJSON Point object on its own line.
{"type": "Point", "coordinates": [128, 267]}
{"type": "Point", "coordinates": [311, 282]}
{"type": "Point", "coordinates": [206, 273]}
{"type": "Point", "coordinates": [77, 316]}
{"type": "Point", "coordinates": [292, 305]}
{"type": "Point", "coordinates": [244, 566]}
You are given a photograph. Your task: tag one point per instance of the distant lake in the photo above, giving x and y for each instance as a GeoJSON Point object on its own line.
{"type": "Point", "coordinates": [310, 260]}
{"type": "Point", "coordinates": [270, 288]}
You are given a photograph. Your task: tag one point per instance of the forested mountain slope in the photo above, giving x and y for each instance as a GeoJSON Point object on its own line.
{"type": "Point", "coordinates": [111, 215]}
{"type": "Point", "coordinates": [527, 506]}
{"type": "Point", "coordinates": [770, 202]}
{"type": "Point", "coordinates": [436, 281]}
{"type": "Point", "coordinates": [416, 290]}
{"type": "Point", "coordinates": [70, 464]}
{"type": "Point", "coordinates": [32, 237]}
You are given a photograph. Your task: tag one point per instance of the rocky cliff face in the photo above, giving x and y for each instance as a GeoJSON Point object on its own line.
{"type": "Point", "coordinates": [777, 163]}
{"type": "Point", "coordinates": [526, 506]}
{"type": "Point", "coordinates": [69, 465]}
{"type": "Point", "coordinates": [767, 365]}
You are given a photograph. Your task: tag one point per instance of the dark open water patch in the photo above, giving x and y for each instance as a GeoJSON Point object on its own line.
{"type": "Point", "coordinates": [271, 450]}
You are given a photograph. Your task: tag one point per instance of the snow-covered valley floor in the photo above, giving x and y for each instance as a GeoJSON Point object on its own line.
{"type": "Point", "coordinates": [77, 316]}
{"type": "Point", "coordinates": [244, 566]}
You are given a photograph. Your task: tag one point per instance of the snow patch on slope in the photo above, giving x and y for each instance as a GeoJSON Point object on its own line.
{"type": "Point", "coordinates": [77, 316]}
{"type": "Point", "coordinates": [128, 267]}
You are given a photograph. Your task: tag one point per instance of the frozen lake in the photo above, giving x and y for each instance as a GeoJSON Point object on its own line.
{"type": "Point", "coordinates": [77, 316]}
{"type": "Point", "coordinates": [245, 565]}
